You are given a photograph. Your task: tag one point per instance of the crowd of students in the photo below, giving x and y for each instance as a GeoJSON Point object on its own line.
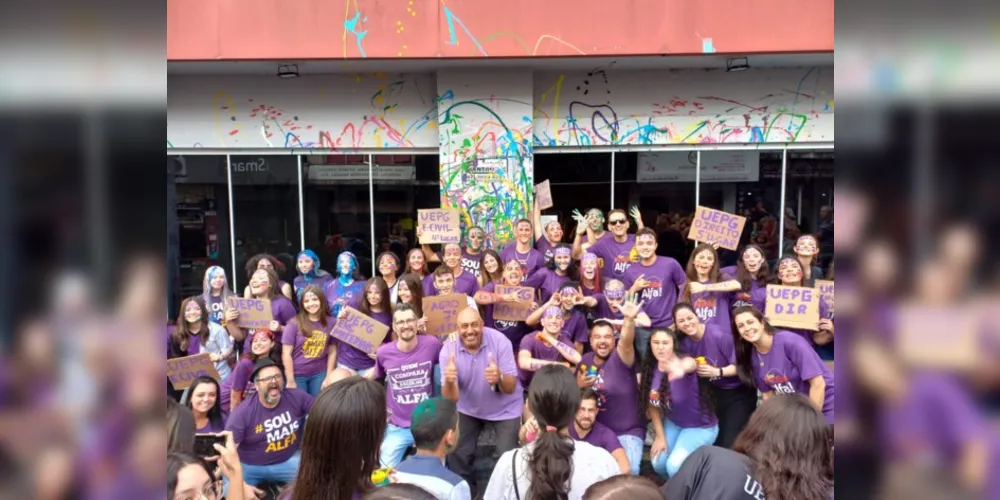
{"type": "Point", "coordinates": [623, 348]}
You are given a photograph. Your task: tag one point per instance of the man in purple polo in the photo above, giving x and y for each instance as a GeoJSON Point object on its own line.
{"type": "Point", "coordinates": [481, 376]}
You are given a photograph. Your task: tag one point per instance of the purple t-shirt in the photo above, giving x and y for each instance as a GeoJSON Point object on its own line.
{"type": "Point", "coordinates": [309, 349]}
{"type": "Point", "coordinates": [282, 311]}
{"type": "Point", "coordinates": [713, 307]}
{"type": "Point", "coordinates": [194, 343]}
{"type": "Point", "coordinates": [476, 397]}
{"type": "Point", "coordinates": [547, 282]}
{"type": "Point", "coordinates": [755, 296]}
{"type": "Point", "coordinates": [824, 313]}
{"type": "Point", "coordinates": [239, 379]}
{"type": "Point", "coordinates": [465, 283]}
{"type": "Point", "coordinates": [384, 317]}
{"type": "Point", "coordinates": [615, 258]}
{"type": "Point", "coordinates": [338, 295]}
{"type": "Point", "coordinates": [665, 276]}
{"type": "Point", "coordinates": [409, 376]}
{"type": "Point", "coordinates": [210, 428]}
{"type": "Point", "coordinates": [684, 406]}
{"type": "Point", "coordinates": [513, 330]}
{"type": "Point", "coordinates": [268, 436]}
{"type": "Point", "coordinates": [546, 249]}
{"type": "Point", "coordinates": [469, 263]}
{"type": "Point", "coordinates": [617, 395]}
{"type": "Point", "coordinates": [716, 346]}
{"type": "Point", "coordinates": [600, 436]}
{"type": "Point", "coordinates": [540, 351]}
{"type": "Point", "coordinates": [530, 262]}
{"type": "Point", "coordinates": [787, 367]}
{"type": "Point", "coordinates": [575, 326]}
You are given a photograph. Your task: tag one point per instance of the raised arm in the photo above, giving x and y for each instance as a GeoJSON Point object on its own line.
{"type": "Point", "coordinates": [569, 353]}
{"type": "Point", "coordinates": [626, 342]}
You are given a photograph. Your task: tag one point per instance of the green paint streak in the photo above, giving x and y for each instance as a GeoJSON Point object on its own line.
{"type": "Point", "coordinates": [798, 129]}
{"type": "Point", "coordinates": [695, 131]}
{"type": "Point", "coordinates": [169, 144]}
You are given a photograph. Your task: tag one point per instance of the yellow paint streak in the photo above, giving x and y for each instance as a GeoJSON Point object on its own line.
{"type": "Point", "coordinates": [222, 94]}
{"type": "Point", "coordinates": [560, 40]}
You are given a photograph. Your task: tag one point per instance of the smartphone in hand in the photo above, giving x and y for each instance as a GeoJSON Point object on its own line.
{"type": "Point", "coordinates": [203, 444]}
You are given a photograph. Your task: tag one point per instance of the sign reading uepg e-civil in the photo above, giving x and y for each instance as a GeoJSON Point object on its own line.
{"type": "Point", "coordinates": [715, 226]}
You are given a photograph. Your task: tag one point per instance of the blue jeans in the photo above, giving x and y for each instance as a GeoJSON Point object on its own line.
{"type": "Point", "coordinates": [394, 445]}
{"type": "Point", "coordinates": [311, 384]}
{"type": "Point", "coordinates": [633, 450]}
{"type": "Point", "coordinates": [355, 372]}
{"type": "Point", "coordinates": [681, 442]}
{"type": "Point", "coordinates": [282, 473]}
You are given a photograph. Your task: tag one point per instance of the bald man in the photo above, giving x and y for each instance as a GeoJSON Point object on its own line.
{"type": "Point", "coordinates": [480, 374]}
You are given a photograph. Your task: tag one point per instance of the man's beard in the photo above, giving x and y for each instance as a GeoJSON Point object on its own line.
{"type": "Point", "coordinates": [584, 427]}
{"type": "Point", "coordinates": [269, 400]}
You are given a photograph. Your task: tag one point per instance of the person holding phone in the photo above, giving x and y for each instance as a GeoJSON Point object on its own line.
{"type": "Point", "coordinates": [189, 476]}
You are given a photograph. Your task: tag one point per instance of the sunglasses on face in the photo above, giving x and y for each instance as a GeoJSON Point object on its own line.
{"type": "Point", "coordinates": [616, 222]}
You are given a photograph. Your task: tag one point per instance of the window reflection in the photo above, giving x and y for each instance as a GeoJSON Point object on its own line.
{"type": "Point", "coordinates": [337, 209]}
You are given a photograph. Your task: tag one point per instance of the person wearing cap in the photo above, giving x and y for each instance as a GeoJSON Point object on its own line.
{"type": "Point", "coordinates": [268, 428]}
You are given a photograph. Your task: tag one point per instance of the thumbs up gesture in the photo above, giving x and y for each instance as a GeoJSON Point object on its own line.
{"type": "Point", "coordinates": [492, 371]}
{"type": "Point", "coordinates": [451, 370]}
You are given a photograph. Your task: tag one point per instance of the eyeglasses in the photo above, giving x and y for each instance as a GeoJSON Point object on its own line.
{"type": "Point", "coordinates": [211, 491]}
{"type": "Point", "coordinates": [405, 321]}
{"type": "Point", "coordinates": [617, 222]}
{"type": "Point", "coordinates": [268, 380]}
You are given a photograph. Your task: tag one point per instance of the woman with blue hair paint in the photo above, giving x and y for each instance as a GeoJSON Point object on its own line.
{"type": "Point", "coordinates": [348, 288]}
{"type": "Point", "coordinates": [307, 264]}
{"type": "Point", "coordinates": [215, 292]}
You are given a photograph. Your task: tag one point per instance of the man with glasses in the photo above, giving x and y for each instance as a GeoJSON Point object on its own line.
{"type": "Point", "coordinates": [615, 254]}
{"type": "Point", "coordinates": [408, 365]}
{"type": "Point", "coordinates": [268, 428]}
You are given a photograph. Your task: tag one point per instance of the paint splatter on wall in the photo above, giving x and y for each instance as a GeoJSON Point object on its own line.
{"type": "Point", "coordinates": [486, 157]}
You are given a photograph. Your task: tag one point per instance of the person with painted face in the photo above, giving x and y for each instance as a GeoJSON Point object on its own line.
{"type": "Point", "coordinates": [468, 257]}
{"type": "Point", "coordinates": [610, 370]}
{"type": "Point", "coordinates": [443, 282]}
{"type": "Point", "coordinates": [807, 252]}
{"type": "Point", "coordinates": [465, 282]}
{"type": "Point", "coordinates": [408, 368]}
{"type": "Point", "coordinates": [790, 274]}
{"type": "Point", "coordinates": [779, 361]}
{"type": "Point", "coordinates": [202, 398]}
{"type": "Point", "coordinates": [267, 261]}
{"type": "Point", "coordinates": [262, 286]}
{"type": "Point", "coordinates": [571, 303]}
{"type": "Point", "coordinates": [657, 280]}
{"type": "Point", "coordinates": [377, 306]}
{"type": "Point", "coordinates": [239, 386]}
{"type": "Point", "coordinates": [435, 434]}
{"type": "Point", "coordinates": [487, 297]}
{"type": "Point", "coordinates": [308, 350]}
{"type": "Point", "coordinates": [194, 334]}
{"type": "Point", "coordinates": [591, 281]}
{"type": "Point", "coordinates": [753, 273]}
{"type": "Point", "coordinates": [491, 268]}
{"type": "Point", "coordinates": [547, 236]}
{"type": "Point", "coordinates": [268, 428]}
{"type": "Point", "coordinates": [549, 346]}
{"type": "Point", "coordinates": [388, 267]}
{"type": "Point", "coordinates": [416, 263]}
{"type": "Point", "coordinates": [309, 273]}
{"type": "Point", "coordinates": [480, 374]}
{"type": "Point", "coordinates": [521, 250]}
{"type": "Point", "coordinates": [549, 278]}
{"type": "Point", "coordinates": [616, 252]}
{"type": "Point", "coordinates": [348, 288]}
{"type": "Point", "coordinates": [708, 290]}
{"type": "Point", "coordinates": [609, 305]}
{"type": "Point", "coordinates": [677, 402]}
{"type": "Point", "coordinates": [712, 347]}
{"type": "Point", "coordinates": [215, 293]}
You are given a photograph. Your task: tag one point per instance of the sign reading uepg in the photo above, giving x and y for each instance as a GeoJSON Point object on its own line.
{"type": "Point", "coordinates": [715, 226]}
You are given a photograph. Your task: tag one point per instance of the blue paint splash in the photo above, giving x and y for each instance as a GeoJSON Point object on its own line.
{"type": "Point", "coordinates": [352, 26]}
{"type": "Point", "coordinates": [450, 17]}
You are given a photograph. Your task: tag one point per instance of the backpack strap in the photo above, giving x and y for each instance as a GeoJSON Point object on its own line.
{"type": "Point", "coordinates": [513, 474]}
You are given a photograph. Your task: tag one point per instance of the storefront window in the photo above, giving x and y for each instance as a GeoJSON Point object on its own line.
{"type": "Point", "coordinates": [403, 184]}
{"type": "Point", "coordinates": [338, 209]}
{"type": "Point", "coordinates": [202, 214]}
{"type": "Point", "coordinates": [809, 201]}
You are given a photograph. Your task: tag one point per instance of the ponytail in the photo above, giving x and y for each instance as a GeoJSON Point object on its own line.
{"type": "Point", "coordinates": [553, 399]}
{"type": "Point", "coordinates": [551, 466]}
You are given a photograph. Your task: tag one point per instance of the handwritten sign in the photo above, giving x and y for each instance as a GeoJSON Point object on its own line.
{"type": "Point", "coordinates": [543, 193]}
{"type": "Point", "coordinates": [940, 337]}
{"type": "Point", "coordinates": [439, 226]}
{"type": "Point", "coordinates": [254, 313]}
{"type": "Point", "coordinates": [715, 226]}
{"type": "Point", "coordinates": [825, 288]}
{"type": "Point", "coordinates": [513, 311]}
{"type": "Point", "coordinates": [792, 307]}
{"type": "Point", "coordinates": [359, 331]}
{"type": "Point", "coordinates": [183, 371]}
{"type": "Point", "coordinates": [442, 312]}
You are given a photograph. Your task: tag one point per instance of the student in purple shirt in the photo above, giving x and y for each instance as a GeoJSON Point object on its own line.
{"type": "Point", "coordinates": [677, 401]}
{"type": "Point", "coordinates": [609, 306]}
{"type": "Point", "coordinates": [548, 279]}
{"type": "Point", "coordinates": [377, 306]}
{"type": "Point", "coordinates": [712, 347]}
{"type": "Point", "coordinates": [708, 290]}
{"type": "Point", "coordinates": [309, 273]}
{"type": "Point", "coordinates": [239, 386]}
{"type": "Point", "coordinates": [549, 346]}
{"type": "Point", "coordinates": [194, 334]}
{"type": "Point", "coordinates": [753, 273]}
{"type": "Point", "coordinates": [491, 268]}
{"type": "Point", "coordinates": [586, 428]}
{"type": "Point", "coordinates": [487, 297]}
{"type": "Point", "coordinates": [481, 376]}
{"type": "Point", "coordinates": [465, 282]}
{"type": "Point", "coordinates": [202, 398]}
{"type": "Point", "coordinates": [780, 362]}
{"type": "Point", "coordinates": [658, 280]}
{"type": "Point", "coordinates": [610, 369]}
{"type": "Point", "coordinates": [572, 303]}
{"type": "Point", "coordinates": [348, 288]}
{"type": "Point", "coordinates": [262, 286]}
{"type": "Point", "coordinates": [307, 350]}
{"type": "Point", "coordinates": [267, 261]}
{"type": "Point", "coordinates": [591, 281]}
{"type": "Point", "coordinates": [616, 252]}
{"type": "Point", "coordinates": [548, 236]}
{"type": "Point", "coordinates": [468, 257]}
{"type": "Point", "coordinates": [531, 260]}
{"type": "Point", "coordinates": [789, 273]}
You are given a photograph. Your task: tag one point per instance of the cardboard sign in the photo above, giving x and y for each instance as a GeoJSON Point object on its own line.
{"type": "Point", "coordinates": [359, 331]}
{"type": "Point", "coordinates": [442, 312]}
{"type": "Point", "coordinates": [825, 288]}
{"type": "Point", "coordinates": [514, 311]}
{"type": "Point", "coordinates": [793, 306]}
{"type": "Point", "coordinates": [183, 371]}
{"type": "Point", "coordinates": [254, 313]}
{"type": "Point", "coordinates": [543, 193]}
{"type": "Point", "coordinates": [940, 337]}
{"type": "Point", "coordinates": [715, 226]}
{"type": "Point", "coordinates": [439, 226]}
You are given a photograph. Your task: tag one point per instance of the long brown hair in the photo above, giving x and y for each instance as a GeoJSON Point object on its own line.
{"type": "Point", "coordinates": [744, 349]}
{"type": "Point", "coordinates": [416, 288]}
{"type": "Point", "coordinates": [790, 446]}
{"type": "Point", "coordinates": [272, 277]}
{"type": "Point", "coordinates": [553, 398]}
{"type": "Point", "coordinates": [623, 486]}
{"type": "Point", "coordinates": [340, 447]}
{"type": "Point", "coordinates": [692, 272]}
{"type": "Point", "coordinates": [485, 278]}
{"type": "Point", "coordinates": [795, 260]}
{"type": "Point", "coordinates": [386, 302]}
{"type": "Point", "coordinates": [418, 272]}
{"type": "Point", "coordinates": [182, 334]}
{"type": "Point", "coordinates": [648, 367]}
{"type": "Point", "coordinates": [744, 276]}
{"type": "Point", "coordinates": [302, 318]}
